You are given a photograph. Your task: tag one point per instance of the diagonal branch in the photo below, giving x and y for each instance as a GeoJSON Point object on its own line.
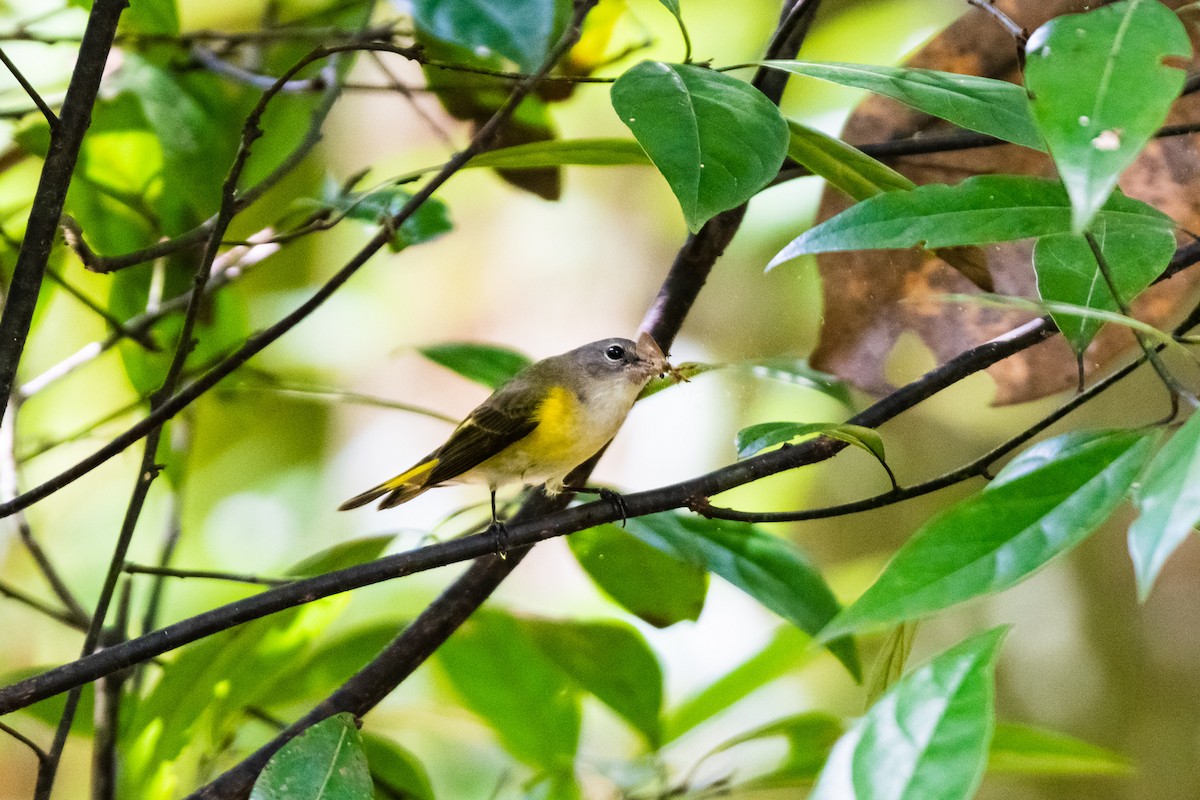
{"type": "Point", "coordinates": [65, 141]}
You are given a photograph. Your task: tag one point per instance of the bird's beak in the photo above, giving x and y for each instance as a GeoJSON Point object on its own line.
{"type": "Point", "coordinates": [651, 354]}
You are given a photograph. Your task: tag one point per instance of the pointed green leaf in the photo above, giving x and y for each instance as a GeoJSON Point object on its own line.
{"type": "Point", "coordinates": [648, 583]}
{"type": "Point", "coordinates": [1025, 750]}
{"type": "Point", "coordinates": [1101, 83]}
{"type": "Point", "coordinates": [531, 704]}
{"type": "Point", "coordinates": [842, 164]}
{"type": "Point", "coordinates": [1044, 503]}
{"type": "Point", "coordinates": [395, 771]}
{"type": "Point", "coordinates": [326, 762]}
{"type": "Point", "coordinates": [483, 363]}
{"type": "Point", "coordinates": [1067, 272]}
{"type": "Point", "coordinates": [1168, 502]}
{"type": "Point", "coordinates": [769, 569]}
{"type": "Point", "coordinates": [980, 210]}
{"type": "Point", "coordinates": [716, 140]}
{"type": "Point", "coordinates": [578, 152]}
{"type": "Point", "coordinates": [986, 105]}
{"type": "Point", "coordinates": [611, 661]}
{"type": "Point", "coordinates": [797, 371]}
{"type": "Point", "coordinates": [768, 434]}
{"type": "Point", "coordinates": [927, 738]}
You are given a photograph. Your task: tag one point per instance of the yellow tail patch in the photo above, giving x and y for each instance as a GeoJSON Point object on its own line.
{"type": "Point", "coordinates": [399, 489]}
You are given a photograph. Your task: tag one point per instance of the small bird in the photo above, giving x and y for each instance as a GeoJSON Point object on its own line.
{"type": "Point", "coordinates": [546, 420]}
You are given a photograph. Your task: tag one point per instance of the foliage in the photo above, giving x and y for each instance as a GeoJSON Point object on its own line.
{"type": "Point", "coordinates": [204, 236]}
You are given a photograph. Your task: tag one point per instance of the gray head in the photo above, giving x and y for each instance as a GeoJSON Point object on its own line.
{"type": "Point", "coordinates": [636, 362]}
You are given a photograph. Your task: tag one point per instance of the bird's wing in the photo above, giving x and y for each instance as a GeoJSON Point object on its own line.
{"type": "Point", "coordinates": [506, 417]}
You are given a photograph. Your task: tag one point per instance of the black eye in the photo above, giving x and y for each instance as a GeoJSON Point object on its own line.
{"type": "Point", "coordinates": [615, 352]}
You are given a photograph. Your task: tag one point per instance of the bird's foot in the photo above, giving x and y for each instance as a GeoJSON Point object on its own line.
{"type": "Point", "coordinates": [499, 532]}
{"type": "Point", "coordinates": [612, 498]}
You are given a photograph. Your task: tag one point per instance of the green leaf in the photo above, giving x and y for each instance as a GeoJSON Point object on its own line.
{"type": "Point", "coordinates": [842, 164]}
{"type": "Point", "coordinates": [1067, 272]}
{"type": "Point", "coordinates": [980, 210]}
{"type": "Point", "coordinates": [986, 105]}
{"type": "Point", "coordinates": [312, 676]}
{"type": "Point", "coordinates": [809, 736]}
{"type": "Point", "coordinates": [787, 650]}
{"type": "Point", "coordinates": [520, 30]}
{"type": "Point", "coordinates": [578, 152]}
{"type": "Point", "coordinates": [396, 773]}
{"type": "Point", "coordinates": [610, 661]}
{"type": "Point", "coordinates": [716, 140]}
{"type": "Point", "coordinates": [1101, 83]}
{"type": "Point", "coordinates": [1025, 750]}
{"type": "Point", "coordinates": [430, 221]}
{"type": "Point", "coordinates": [768, 434]}
{"type": "Point", "coordinates": [157, 17]}
{"type": "Point", "coordinates": [1068, 311]}
{"type": "Point", "coordinates": [648, 583]}
{"type": "Point", "coordinates": [1046, 501]}
{"type": "Point", "coordinates": [325, 762]}
{"type": "Point", "coordinates": [797, 371]}
{"type": "Point", "coordinates": [342, 555]}
{"type": "Point", "coordinates": [927, 738]}
{"type": "Point", "coordinates": [1168, 502]}
{"type": "Point", "coordinates": [889, 664]}
{"type": "Point", "coordinates": [198, 702]}
{"type": "Point", "coordinates": [769, 569]}
{"type": "Point", "coordinates": [483, 363]}
{"type": "Point", "coordinates": [530, 703]}
{"type": "Point", "coordinates": [673, 7]}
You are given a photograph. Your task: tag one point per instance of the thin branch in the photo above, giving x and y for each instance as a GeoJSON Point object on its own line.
{"type": "Point", "coordinates": [50, 116]}
{"type": "Point", "coordinates": [323, 395]}
{"type": "Point", "coordinates": [25, 740]}
{"type": "Point", "coordinates": [978, 468]}
{"type": "Point", "coordinates": [52, 188]}
{"type": "Point", "coordinates": [521, 533]}
{"type": "Point", "coordinates": [231, 264]}
{"type": "Point", "coordinates": [9, 489]}
{"type": "Point", "coordinates": [13, 593]}
{"type": "Point", "coordinates": [1173, 386]}
{"type": "Point", "coordinates": [171, 572]}
{"type": "Point", "coordinates": [1016, 31]}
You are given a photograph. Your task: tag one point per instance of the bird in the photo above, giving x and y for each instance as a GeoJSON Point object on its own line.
{"type": "Point", "coordinates": [537, 427]}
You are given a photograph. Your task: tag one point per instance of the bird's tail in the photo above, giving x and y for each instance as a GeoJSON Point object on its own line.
{"type": "Point", "coordinates": [400, 489]}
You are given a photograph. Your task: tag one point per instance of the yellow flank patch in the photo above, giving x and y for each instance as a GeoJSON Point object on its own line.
{"type": "Point", "coordinates": [557, 434]}
{"type": "Point", "coordinates": [407, 478]}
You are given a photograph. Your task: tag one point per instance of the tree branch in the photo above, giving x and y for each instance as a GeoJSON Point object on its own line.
{"type": "Point", "coordinates": [65, 141]}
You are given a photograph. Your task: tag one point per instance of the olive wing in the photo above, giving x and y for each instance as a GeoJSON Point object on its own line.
{"type": "Point", "coordinates": [503, 419]}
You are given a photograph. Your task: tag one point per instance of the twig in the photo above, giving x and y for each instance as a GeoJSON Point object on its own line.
{"type": "Point", "coordinates": [323, 395]}
{"type": "Point", "coordinates": [25, 740]}
{"type": "Point", "coordinates": [8, 489]}
{"type": "Point", "coordinates": [50, 116]}
{"type": "Point", "coordinates": [52, 188]}
{"type": "Point", "coordinates": [1173, 387]}
{"type": "Point", "coordinates": [170, 572]}
{"type": "Point", "coordinates": [218, 65]}
{"type": "Point", "coordinates": [1016, 31]}
{"type": "Point", "coordinates": [13, 593]}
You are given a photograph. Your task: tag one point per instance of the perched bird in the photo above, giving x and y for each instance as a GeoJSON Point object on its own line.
{"type": "Point", "coordinates": [546, 420]}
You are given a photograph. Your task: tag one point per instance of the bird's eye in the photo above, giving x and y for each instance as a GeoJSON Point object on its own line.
{"type": "Point", "coordinates": [615, 352]}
